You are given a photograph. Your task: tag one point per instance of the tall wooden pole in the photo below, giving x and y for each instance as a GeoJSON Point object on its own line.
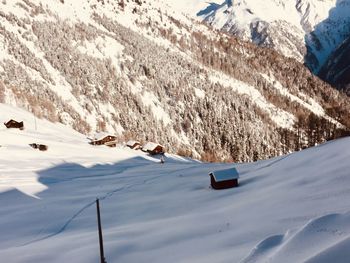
{"type": "Point", "coordinates": [103, 260]}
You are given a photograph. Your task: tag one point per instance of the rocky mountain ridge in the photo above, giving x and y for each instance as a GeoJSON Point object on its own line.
{"type": "Point", "coordinates": [337, 68]}
{"type": "Point", "coordinates": [307, 30]}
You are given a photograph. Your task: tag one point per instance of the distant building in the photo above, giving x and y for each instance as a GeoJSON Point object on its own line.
{"type": "Point", "coordinates": [153, 148]}
{"type": "Point", "coordinates": [104, 139]}
{"type": "Point", "coordinates": [14, 124]}
{"type": "Point", "coordinates": [41, 147]}
{"type": "Point", "coordinates": [133, 145]}
{"type": "Point", "coordinates": [223, 179]}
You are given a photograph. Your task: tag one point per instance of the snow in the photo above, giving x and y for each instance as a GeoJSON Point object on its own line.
{"type": "Point", "coordinates": [132, 143]}
{"type": "Point", "coordinates": [64, 90]}
{"type": "Point", "coordinates": [308, 102]}
{"type": "Point", "coordinates": [280, 117]}
{"type": "Point", "coordinates": [101, 135]}
{"type": "Point", "coordinates": [149, 211]}
{"type": "Point", "coordinates": [72, 10]}
{"type": "Point", "coordinates": [226, 174]}
{"type": "Point", "coordinates": [150, 146]}
{"type": "Point", "coordinates": [77, 11]}
{"type": "Point", "coordinates": [293, 208]}
{"type": "Point", "coordinates": [3, 48]}
{"type": "Point", "coordinates": [323, 234]}
{"type": "Point", "coordinates": [199, 93]}
{"type": "Point", "coordinates": [189, 7]}
{"type": "Point", "coordinates": [150, 100]}
{"type": "Point", "coordinates": [287, 24]}
{"type": "Point", "coordinates": [103, 48]}
{"type": "Point", "coordinates": [248, 11]}
{"type": "Point", "coordinates": [11, 7]}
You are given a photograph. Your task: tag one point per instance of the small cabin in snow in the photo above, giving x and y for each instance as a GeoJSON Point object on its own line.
{"type": "Point", "coordinates": [104, 139]}
{"type": "Point", "coordinates": [14, 124]}
{"type": "Point", "coordinates": [41, 147]}
{"type": "Point", "coordinates": [223, 179]}
{"type": "Point", "coordinates": [153, 148]}
{"type": "Point", "coordinates": [135, 145]}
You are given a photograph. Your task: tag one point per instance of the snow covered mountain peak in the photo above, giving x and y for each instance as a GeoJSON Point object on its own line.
{"type": "Point", "coordinates": [328, 35]}
{"type": "Point", "coordinates": [308, 30]}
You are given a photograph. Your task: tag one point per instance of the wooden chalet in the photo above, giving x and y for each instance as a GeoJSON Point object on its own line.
{"type": "Point", "coordinates": [104, 139]}
{"type": "Point", "coordinates": [135, 145]}
{"type": "Point", "coordinates": [41, 147]}
{"type": "Point", "coordinates": [14, 124]}
{"type": "Point", "coordinates": [153, 148]}
{"type": "Point", "coordinates": [223, 179]}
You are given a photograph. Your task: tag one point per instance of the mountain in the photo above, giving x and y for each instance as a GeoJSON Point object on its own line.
{"type": "Point", "coordinates": [145, 71]}
{"type": "Point", "coordinates": [293, 208]}
{"type": "Point", "coordinates": [307, 30]}
{"type": "Point", "coordinates": [337, 68]}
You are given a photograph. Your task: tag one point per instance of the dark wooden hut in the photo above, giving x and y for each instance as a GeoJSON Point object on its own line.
{"type": "Point", "coordinates": [14, 124]}
{"type": "Point", "coordinates": [104, 139]}
{"type": "Point", "coordinates": [41, 147]}
{"type": "Point", "coordinates": [223, 179]}
{"type": "Point", "coordinates": [153, 148]}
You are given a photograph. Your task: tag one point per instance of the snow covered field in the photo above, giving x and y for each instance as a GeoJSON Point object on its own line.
{"type": "Point", "coordinates": [293, 208]}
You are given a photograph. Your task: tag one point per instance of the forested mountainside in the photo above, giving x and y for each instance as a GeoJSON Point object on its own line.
{"type": "Point", "coordinates": [143, 71]}
{"type": "Point", "coordinates": [307, 30]}
{"type": "Point", "coordinates": [337, 69]}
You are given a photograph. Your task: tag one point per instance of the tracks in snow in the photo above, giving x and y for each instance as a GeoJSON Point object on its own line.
{"type": "Point", "coordinates": [105, 196]}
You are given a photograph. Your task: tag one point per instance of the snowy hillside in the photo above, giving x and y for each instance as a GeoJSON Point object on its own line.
{"type": "Point", "coordinates": [92, 65]}
{"type": "Point", "coordinates": [284, 25]}
{"type": "Point", "coordinates": [293, 208]}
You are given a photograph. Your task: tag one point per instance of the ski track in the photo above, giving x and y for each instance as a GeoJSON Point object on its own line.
{"type": "Point", "coordinates": [104, 197]}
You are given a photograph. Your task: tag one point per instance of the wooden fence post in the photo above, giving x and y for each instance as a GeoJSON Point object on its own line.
{"type": "Point", "coordinates": [103, 260]}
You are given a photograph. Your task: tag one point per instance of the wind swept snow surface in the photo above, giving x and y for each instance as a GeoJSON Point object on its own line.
{"type": "Point", "coordinates": [293, 208]}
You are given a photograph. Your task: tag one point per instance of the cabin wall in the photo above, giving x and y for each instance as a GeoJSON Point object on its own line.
{"type": "Point", "coordinates": [224, 184]}
{"type": "Point", "coordinates": [158, 150]}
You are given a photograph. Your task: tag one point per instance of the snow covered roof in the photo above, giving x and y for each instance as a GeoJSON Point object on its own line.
{"type": "Point", "coordinates": [100, 135]}
{"type": "Point", "coordinates": [224, 175]}
{"type": "Point", "coordinates": [132, 143]}
{"type": "Point", "coordinates": [150, 146]}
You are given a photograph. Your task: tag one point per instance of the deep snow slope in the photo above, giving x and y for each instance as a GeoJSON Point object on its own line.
{"type": "Point", "coordinates": [294, 208]}
{"type": "Point", "coordinates": [309, 29]}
